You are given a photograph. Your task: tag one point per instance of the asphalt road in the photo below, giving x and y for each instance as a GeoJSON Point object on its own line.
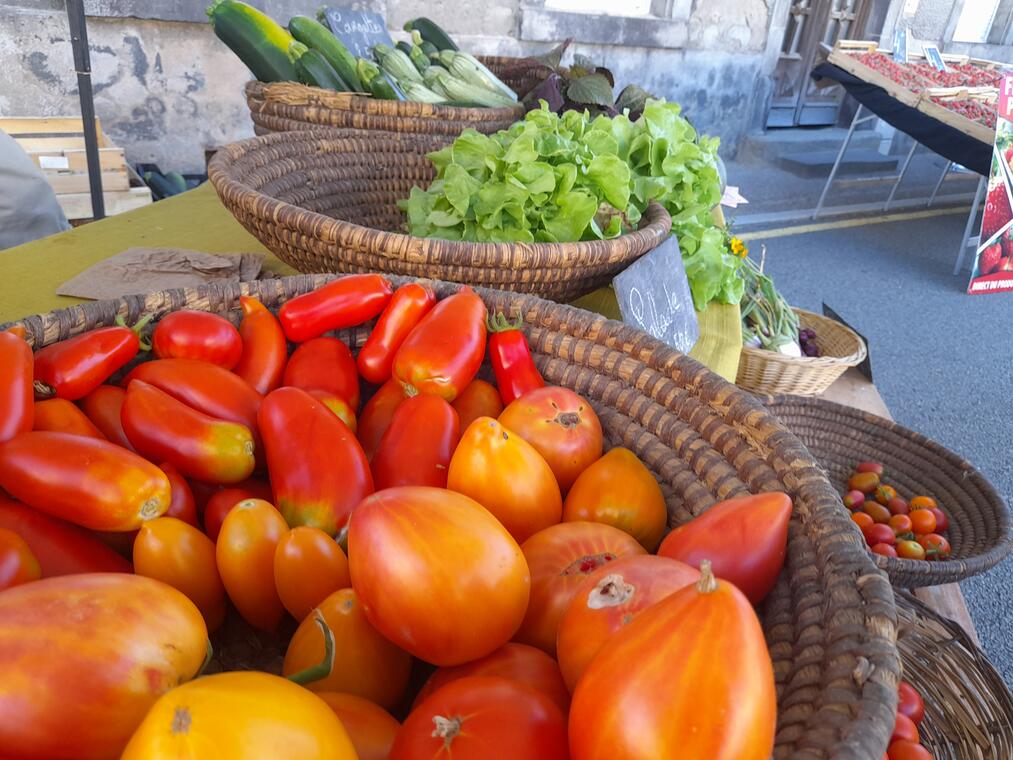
{"type": "Point", "coordinates": [942, 360]}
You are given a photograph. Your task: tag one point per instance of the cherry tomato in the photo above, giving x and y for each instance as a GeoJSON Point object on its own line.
{"type": "Point", "coordinates": [504, 473]}
{"type": "Point", "coordinates": [377, 414]}
{"type": "Point", "coordinates": [264, 349]}
{"type": "Point", "coordinates": [222, 502]}
{"type": "Point", "coordinates": [444, 351]}
{"type": "Point", "coordinates": [560, 558]}
{"type": "Point", "coordinates": [942, 521]}
{"type": "Point", "coordinates": [910, 703]}
{"type": "Point", "coordinates": [417, 446]}
{"type": "Point", "coordinates": [337, 405]}
{"type": "Point", "coordinates": [561, 426]}
{"type": "Point", "coordinates": [901, 525]}
{"type": "Point", "coordinates": [518, 662]}
{"type": "Point", "coordinates": [324, 364]}
{"type": "Point", "coordinates": [854, 500]}
{"type": "Point", "coordinates": [179, 555]}
{"type": "Point", "coordinates": [470, 717]}
{"type": "Point", "coordinates": [908, 751]}
{"type": "Point", "coordinates": [61, 416]}
{"type": "Point", "coordinates": [620, 491]}
{"type": "Point", "coordinates": [309, 566]}
{"type": "Point", "coordinates": [910, 550]}
{"type": "Point", "coordinates": [406, 309]}
{"type": "Point", "coordinates": [371, 728]}
{"type": "Point", "coordinates": [904, 729]}
{"type": "Point", "coordinates": [866, 482]}
{"type": "Point", "coordinates": [923, 502]}
{"type": "Point", "coordinates": [862, 520]}
{"type": "Point", "coordinates": [884, 493]}
{"type": "Point", "coordinates": [875, 467]}
{"type": "Point", "coordinates": [344, 302]}
{"type": "Point", "coordinates": [898, 506]}
{"type": "Point", "coordinates": [923, 521]}
{"type": "Point", "coordinates": [103, 406]}
{"type": "Point", "coordinates": [199, 335]}
{"type": "Point", "coordinates": [16, 372]}
{"type": "Point", "coordinates": [244, 553]}
{"type": "Point", "coordinates": [479, 399]}
{"type": "Point", "coordinates": [936, 547]}
{"type": "Point", "coordinates": [879, 534]}
{"type": "Point", "coordinates": [876, 511]}
{"type": "Point", "coordinates": [17, 563]}
{"type": "Point", "coordinates": [885, 550]}
{"type": "Point", "coordinates": [182, 505]}
{"type": "Point", "coordinates": [365, 663]}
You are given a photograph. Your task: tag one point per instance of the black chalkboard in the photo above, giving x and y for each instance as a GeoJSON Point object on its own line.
{"type": "Point", "coordinates": [654, 296]}
{"type": "Point", "coordinates": [359, 30]}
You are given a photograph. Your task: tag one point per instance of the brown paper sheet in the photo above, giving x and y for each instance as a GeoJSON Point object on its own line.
{"type": "Point", "coordinates": [143, 270]}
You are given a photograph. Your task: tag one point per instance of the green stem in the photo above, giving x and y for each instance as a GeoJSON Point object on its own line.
{"type": "Point", "coordinates": [323, 668]}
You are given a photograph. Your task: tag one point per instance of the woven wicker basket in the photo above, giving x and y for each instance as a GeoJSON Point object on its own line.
{"type": "Point", "coordinates": [840, 437]}
{"type": "Point", "coordinates": [288, 105]}
{"type": "Point", "coordinates": [763, 371]}
{"type": "Point", "coordinates": [830, 621]}
{"type": "Point", "coordinates": [327, 202]}
{"type": "Point", "coordinates": [968, 707]}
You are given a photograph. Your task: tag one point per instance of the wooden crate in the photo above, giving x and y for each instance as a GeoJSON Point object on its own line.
{"type": "Point", "coordinates": [56, 145]}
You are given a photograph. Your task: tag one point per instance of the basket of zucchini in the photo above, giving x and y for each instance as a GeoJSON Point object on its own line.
{"type": "Point", "coordinates": [306, 78]}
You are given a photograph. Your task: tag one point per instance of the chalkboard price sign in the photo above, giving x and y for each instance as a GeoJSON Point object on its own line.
{"type": "Point", "coordinates": [359, 30]}
{"type": "Point", "coordinates": [654, 296]}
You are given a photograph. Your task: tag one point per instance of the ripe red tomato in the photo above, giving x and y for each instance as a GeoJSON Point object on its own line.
{"type": "Point", "coordinates": [745, 539]}
{"type": "Point", "coordinates": [179, 555]}
{"type": "Point", "coordinates": [437, 574]}
{"type": "Point", "coordinates": [365, 663]}
{"type": "Point", "coordinates": [620, 491]}
{"type": "Point", "coordinates": [405, 310]}
{"type": "Point", "coordinates": [910, 550]}
{"type": "Point", "coordinates": [221, 502]}
{"type": "Point", "coordinates": [518, 662]}
{"type": "Point", "coordinates": [309, 566]}
{"type": "Point", "coordinates": [879, 534]}
{"type": "Point", "coordinates": [504, 473]}
{"type": "Point", "coordinates": [61, 416]}
{"type": "Point", "coordinates": [416, 448]}
{"type": "Point", "coordinates": [324, 364]}
{"type": "Point", "coordinates": [936, 547]}
{"type": "Point", "coordinates": [480, 717]}
{"type": "Point", "coordinates": [609, 599]}
{"type": "Point", "coordinates": [479, 399]}
{"type": "Point", "coordinates": [197, 335]}
{"type": "Point", "coordinates": [245, 557]}
{"type": "Point", "coordinates": [17, 563]}
{"type": "Point", "coordinates": [942, 521]}
{"type": "Point", "coordinates": [561, 557]}
{"type": "Point", "coordinates": [103, 407]}
{"type": "Point", "coordinates": [337, 405]}
{"type": "Point", "coordinates": [909, 702]}
{"type": "Point", "coordinates": [885, 550]}
{"type": "Point", "coordinates": [561, 426]}
{"type": "Point", "coordinates": [371, 728]}
{"type": "Point", "coordinates": [904, 729]}
{"type": "Point", "coordinates": [923, 521]}
{"type": "Point", "coordinates": [908, 751]}
{"type": "Point", "coordinates": [377, 414]}
{"type": "Point", "coordinates": [182, 505]}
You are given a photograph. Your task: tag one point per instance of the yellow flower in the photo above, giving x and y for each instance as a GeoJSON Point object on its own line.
{"type": "Point", "coordinates": [739, 248]}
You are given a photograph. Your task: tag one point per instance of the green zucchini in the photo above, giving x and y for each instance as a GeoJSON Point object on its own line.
{"type": "Point", "coordinates": [316, 36]}
{"type": "Point", "coordinates": [255, 37]}
{"type": "Point", "coordinates": [429, 49]}
{"type": "Point", "coordinates": [376, 81]}
{"type": "Point", "coordinates": [177, 180]}
{"type": "Point", "coordinates": [431, 32]}
{"type": "Point", "coordinates": [313, 69]}
{"type": "Point", "coordinates": [404, 47]}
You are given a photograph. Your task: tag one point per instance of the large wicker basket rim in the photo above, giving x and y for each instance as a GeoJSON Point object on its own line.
{"type": "Point", "coordinates": [938, 571]}
{"type": "Point", "coordinates": [655, 222]}
{"type": "Point", "coordinates": [853, 359]}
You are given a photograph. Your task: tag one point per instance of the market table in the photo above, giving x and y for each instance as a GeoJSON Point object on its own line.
{"type": "Point", "coordinates": [30, 274]}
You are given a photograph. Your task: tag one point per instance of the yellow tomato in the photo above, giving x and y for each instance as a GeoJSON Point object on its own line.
{"type": "Point", "coordinates": [240, 716]}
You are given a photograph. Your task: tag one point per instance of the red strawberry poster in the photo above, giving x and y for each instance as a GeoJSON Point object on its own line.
{"type": "Point", "coordinates": [993, 266]}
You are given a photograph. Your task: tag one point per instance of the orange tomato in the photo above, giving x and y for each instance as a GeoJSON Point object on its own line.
{"type": "Point", "coordinates": [690, 678]}
{"type": "Point", "coordinates": [245, 556]}
{"type": "Point", "coordinates": [884, 493]}
{"type": "Point", "coordinates": [61, 416]}
{"type": "Point", "coordinates": [179, 555]}
{"type": "Point", "coordinates": [910, 550]}
{"type": "Point", "coordinates": [479, 399]}
{"type": "Point", "coordinates": [866, 482]}
{"type": "Point", "coordinates": [371, 728]}
{"type": "Point", "coordinates": [901, 525]}
{"type": "Point", "coordinates": [904, 750]}
{"type": "Point", "coordinates": [560, 558]}
{"type": "Point", "coordinates": [309, 566]}
{"type": "Point", "coordinates": [862, 520]}
{"type": "Point", "coordinates": [923, 521]}
{"type": "Point", "coordinates": [504, 473]}
{"type": "Point", "coordinates": [83, 657]}
{"type": "Point", "coordinates": [561, 426]}
{"type": "Point", "coordinates": [365, 663]}
{"type": "Point", "coordinates": [240, 716]}
{"type": "Point", "coordinates": [518, 662]}
{"type": "Point", "coordinates": [923, 502]}
{"type": "Point", "coordinates": [17, 563]}
{"type": "Point", "coordinates": [620, 491]}
{"type": "Point", "coordinates": [437, 574]}
{"type": "Point", "coordinates": [609, 599]}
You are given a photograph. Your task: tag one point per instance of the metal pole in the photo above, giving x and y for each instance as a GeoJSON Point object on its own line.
{"type": "Point", "coordinates": [965, 241]}
{"type": "Point", "coordinates": [939, 184]}
{"type": "Point", "coordinates": [900, 177]}
{"type": "Point", "coordinates": [82, 65]}
{"type": "Point", "coordinates": [837, 163]}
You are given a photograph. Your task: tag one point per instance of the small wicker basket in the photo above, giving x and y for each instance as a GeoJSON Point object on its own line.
{"type": "Point", "coordinates": [770, 372]}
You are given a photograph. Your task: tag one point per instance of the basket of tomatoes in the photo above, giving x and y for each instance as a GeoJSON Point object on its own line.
{"type": "Point", "coordinates": [414, 516]}
{"type": "Point", "coordinates": [929, 516]}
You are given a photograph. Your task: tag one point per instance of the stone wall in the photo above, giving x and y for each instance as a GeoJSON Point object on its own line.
{"type": "Point", "coordinates": [166, 89]}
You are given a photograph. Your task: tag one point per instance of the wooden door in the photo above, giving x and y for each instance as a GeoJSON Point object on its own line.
{"type": "Point", "coordinates": [811, 23]}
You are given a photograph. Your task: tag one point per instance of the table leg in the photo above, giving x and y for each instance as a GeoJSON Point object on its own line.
{"type": "Point", "coordinates": [900, 177]}
{"type": "Point", "coordinates": [939, 184]}
{"type": "Point", "coordinates": [837, 162]}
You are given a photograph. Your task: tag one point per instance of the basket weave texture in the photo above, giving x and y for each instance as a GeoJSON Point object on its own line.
{"type": "Point", "coordinates": [830, 622]}
{"type": "Point", "coordinates": [289, 105]}
{"type": "Point", "coordinates": [968, 707]}
{"type": "Point", "coordinates": [764, 371]}
{"type": "Point", "coordinates": [840, 437]}
{"type": "Point", "coordinates": [327, 202]}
